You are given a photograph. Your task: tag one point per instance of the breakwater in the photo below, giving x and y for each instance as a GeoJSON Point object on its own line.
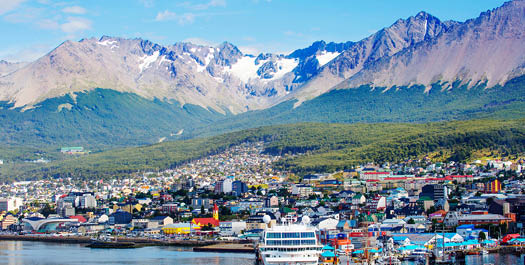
{"type": "Point", "coordinates": [124, 241]}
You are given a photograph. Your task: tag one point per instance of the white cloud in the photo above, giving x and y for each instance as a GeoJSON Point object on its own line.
{"type": "Point", "coordinates": [74, 10]}
{"type": "Point", "coordinates": [249, 50]}
{"type": "Point", "coordinates": [211, 3]}
{"type": "Point", "coordinates": [9, 5]}
{"type": "Point", "coordinates": [199, 41]}
{"type": "Point", "coordinates": [166, 15]}
{"type": "Point", "coordinates": [147, 3]}
{"type": "Point", "coordinates": [48, 24]}
{"type": "Point", "coordinates": [187, 18]}
{"type": "Point", "coordinates": [75, 24]}
{"type": "Point", "coordinates": [25, 54]}
{"type": "Point", "coordinates": [26, 15]}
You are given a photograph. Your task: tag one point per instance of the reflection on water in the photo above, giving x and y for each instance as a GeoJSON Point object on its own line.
{"type": "Point", "coordinates": [26, 252]}
{"type": "Point", "coordinates": [494, 259]}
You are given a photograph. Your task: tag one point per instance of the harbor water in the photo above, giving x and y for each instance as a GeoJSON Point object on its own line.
{"type": "Point", "coordinates": [31, 252]}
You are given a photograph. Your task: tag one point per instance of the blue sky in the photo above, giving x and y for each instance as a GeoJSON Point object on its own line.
{"type": "Point", "coordinates": [31, 28]}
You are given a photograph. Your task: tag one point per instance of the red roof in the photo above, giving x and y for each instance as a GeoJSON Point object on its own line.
{"type": "Point", "coordinates": [80, 218]}
{"type": "Point", "coordinates": [372, 180]}
{"type": "Point", "coordinates": [509, 237]}
{"type": "Point", "coordinates": [205, 221]}
{"type": "Point", "coordinates": [460, 176]}
{"type": "Point", "coordinates": [396, 178]}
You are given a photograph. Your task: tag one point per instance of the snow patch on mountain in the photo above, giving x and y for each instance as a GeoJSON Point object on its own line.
{"type": "Point", "coordinates": [207, 60]}
{"type": "Point", "coordinates": [147, 60]}
{"type": "Point", "coordinates": [244, 69]}
{"type": "Point", "coordinates": [325, 57]}
{"type": "Point", "coordinates": [106, 42]}
{"type": "Point", "coordinates": [284, 66]}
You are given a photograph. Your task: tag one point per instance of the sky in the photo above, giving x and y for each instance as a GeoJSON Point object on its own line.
{"type": "Point", "coordinates": [31, 28]}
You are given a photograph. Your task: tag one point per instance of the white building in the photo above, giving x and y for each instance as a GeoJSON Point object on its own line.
{"type": "Point", "coordinates": [302, 190]}
{"type": "Point", "coordinates": [10, 204]}
{"type": "Point", "coordinates": [326, 223]}
{"type": "Point", "coordinates": [232, 227]}
{"type": "Point", "coordinates": [227, 185]}
{"type": "Point", "coordinates": [88, 201]}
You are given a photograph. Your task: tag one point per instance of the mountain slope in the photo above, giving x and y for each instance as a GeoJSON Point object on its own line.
{"type": "Point", "coordinates": [98, 119]}
{"type": "Point", "coordinates": [489, 49]}
{"type": "Point", "coordinates": [9, 67]}
{"type": "Point", "coordinates": [403, 104]}
{"type": "Point", "coordinates": [386, 42]}
{"type": "Point", "coordinates": [137, 91]}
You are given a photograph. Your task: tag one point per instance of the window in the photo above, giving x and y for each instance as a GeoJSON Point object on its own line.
{"type": "Point", "coordinates": [307, 242]}
{"type": "Point", "coordinates": [273, 235]}
{"type": "Point", "coordinates": [307, 234]}
{"type": "Point", "coordinates": [273, 242]}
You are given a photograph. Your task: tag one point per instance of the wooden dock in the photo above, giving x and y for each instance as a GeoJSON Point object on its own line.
{"type": "Point", "coordinates": [229, 248]}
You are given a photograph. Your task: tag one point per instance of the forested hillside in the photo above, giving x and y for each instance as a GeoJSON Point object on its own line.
{"type": "Point", "coordinates": [402, 104]}
{"type": "Point", "coordinates": [324, 147]}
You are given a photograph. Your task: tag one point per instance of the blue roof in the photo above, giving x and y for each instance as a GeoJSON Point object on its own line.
{"type": "Point", "coordinates": [469, 242]}
{"type": "Point", "coordinates": [358, 252]}
{"type": "Point", "coordinates": [465, 227]}
{"type": "Point", "coordinates": [328, 254]}
{"type": "Point", "coordinates": [158, 218]}
{"type": "Point", "coordinates": [412, 247]}
{"type": "Point", "coordinates": [399, 238]}
{"type": "Point", "coordinates": [450, 235]}
{"type": "Point", "coordinates": [327, 247]}
{"type": "Point", "coordinates": [34, 218]}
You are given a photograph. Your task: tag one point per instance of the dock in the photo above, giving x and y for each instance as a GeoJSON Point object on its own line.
{"type": "Point", "coordinates": [227, 247]}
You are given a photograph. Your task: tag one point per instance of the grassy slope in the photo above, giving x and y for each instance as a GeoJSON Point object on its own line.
{"type": "Point", "coordinates": [97, 119]}
{"type": "Point", "coordinates": [328, 146]}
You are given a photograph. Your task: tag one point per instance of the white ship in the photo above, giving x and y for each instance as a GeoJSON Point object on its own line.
{"type": "Point", "coordinates": [290, 244]}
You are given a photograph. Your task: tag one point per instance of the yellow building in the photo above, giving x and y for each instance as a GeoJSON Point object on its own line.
{"type": "Point", "coordinates": [179, 228]}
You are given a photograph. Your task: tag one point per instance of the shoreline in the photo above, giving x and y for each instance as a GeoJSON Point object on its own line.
{"type": "Point", "coordinates": [196, 245]}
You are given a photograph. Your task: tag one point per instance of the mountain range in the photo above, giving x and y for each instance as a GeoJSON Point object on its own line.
{"type": "Point", "coordinates": [134, 91]}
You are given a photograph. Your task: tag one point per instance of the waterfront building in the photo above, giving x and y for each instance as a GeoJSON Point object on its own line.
{"type": "Point", "coordinates": [10, 204]}
{"type": "Point", "coordinates": [231, 228]}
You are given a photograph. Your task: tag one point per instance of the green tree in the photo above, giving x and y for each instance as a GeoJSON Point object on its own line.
{"type": "Point", "coordinates": [482, 236]}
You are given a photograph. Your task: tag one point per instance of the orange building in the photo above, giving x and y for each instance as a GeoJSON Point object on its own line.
{"type": "Point", "coordinates": [493, 186]}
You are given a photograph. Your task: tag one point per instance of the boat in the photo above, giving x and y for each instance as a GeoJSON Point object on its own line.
{"type": "Point", "coordinates": [290, 244]}
{"type": "Point", "coordinates": [389, 260]}
{"type": "Point", "coordinates": [418, 255]}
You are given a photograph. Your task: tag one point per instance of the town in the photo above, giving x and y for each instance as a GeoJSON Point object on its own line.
{"type": "Point", "coordinates": [410, 208]}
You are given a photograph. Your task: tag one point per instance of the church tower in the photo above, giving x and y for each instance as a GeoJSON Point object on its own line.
{"type": "Point", "coordinates": [215, 212]}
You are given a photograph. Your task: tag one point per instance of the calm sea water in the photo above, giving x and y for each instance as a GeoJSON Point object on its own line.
{"type": "Point", "coordinates": [27, 252]}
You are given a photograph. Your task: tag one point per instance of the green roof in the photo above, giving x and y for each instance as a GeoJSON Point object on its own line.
{"type": "Point", "coordinates": [74, 148]}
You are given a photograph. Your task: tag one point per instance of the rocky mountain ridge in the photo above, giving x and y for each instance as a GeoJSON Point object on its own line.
{"type": "Point", "coordinates": [419, 50]}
